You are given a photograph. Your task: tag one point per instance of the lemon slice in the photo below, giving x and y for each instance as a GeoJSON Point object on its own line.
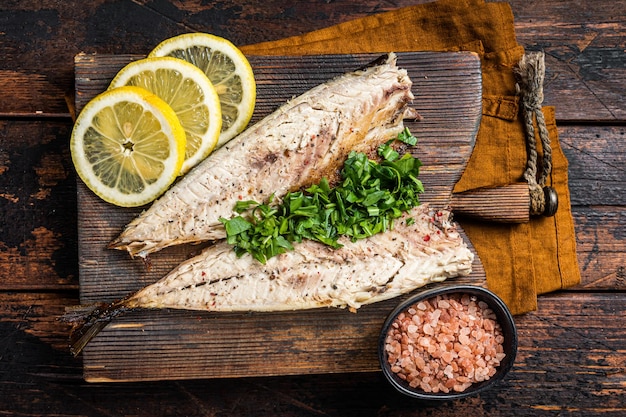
{"type": "Point", "coordinates": [227, 68]}
{"type": "Point", "coordinates": [127, 146]}
{"type": "Point", "coordinates": [189, 93]}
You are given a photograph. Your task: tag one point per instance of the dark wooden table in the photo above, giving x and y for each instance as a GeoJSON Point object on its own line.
{"type": "Point", "coordinates": [572, 353]}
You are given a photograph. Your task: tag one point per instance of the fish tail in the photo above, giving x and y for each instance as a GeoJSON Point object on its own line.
{"type": "Point", "coordinates": [88, 320]}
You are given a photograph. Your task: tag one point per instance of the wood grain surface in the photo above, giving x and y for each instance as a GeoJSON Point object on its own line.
{"type": "Point", "coordinates": [157, 345]}
{"type": "Point", "coordinates": [571, 356]}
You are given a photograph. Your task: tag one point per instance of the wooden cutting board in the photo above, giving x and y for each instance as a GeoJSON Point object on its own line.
{"type": "Point", "coordinates": [155, 345]}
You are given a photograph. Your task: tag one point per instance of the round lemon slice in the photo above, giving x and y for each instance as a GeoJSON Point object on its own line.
{"type": "Point", "coordinates": [227, 68]}
{"type": "Point", "coordinates": [127, 146]}
{"type": "Point", "coordinates": [189, 93]}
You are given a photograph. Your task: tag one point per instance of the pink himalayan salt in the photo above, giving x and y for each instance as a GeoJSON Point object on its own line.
{"type": "Point", "coordinates": [445, 344]}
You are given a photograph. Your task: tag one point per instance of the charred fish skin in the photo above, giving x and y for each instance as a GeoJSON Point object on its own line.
{"type": "Point", "coordinates": [305, 139]}
{"type": "Point", "coordinates": [414, 253]}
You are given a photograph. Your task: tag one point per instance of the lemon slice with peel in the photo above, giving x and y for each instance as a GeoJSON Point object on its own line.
{"type": "Point", "coordinates": [189, 93]}
{"type": "Point", "coordinates": [127, 146]}
{"type": "Point", "coordinates": [227, 68]}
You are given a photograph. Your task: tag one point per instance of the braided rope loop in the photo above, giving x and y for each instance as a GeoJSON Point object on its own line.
{"type": "Point", "coordinates": [531, 73]}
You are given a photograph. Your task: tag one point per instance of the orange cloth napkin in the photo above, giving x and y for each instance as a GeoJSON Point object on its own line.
{"type": "Point", "coordinates": [520, 260]}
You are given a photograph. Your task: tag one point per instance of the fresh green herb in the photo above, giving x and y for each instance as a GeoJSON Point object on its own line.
{"type": "Point", "coordinates": [366, 201]}
{"type": "Point", "coordinates": [406, 137]}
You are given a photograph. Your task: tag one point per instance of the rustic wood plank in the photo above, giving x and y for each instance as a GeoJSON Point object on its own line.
{"type": "Point", "coordinates": [30, 95]}
{"type": "Point", "coordinates": [38, 205]}
{"type": "Point", "coordinates": [37, 314]}
{"type": "Point", "coordinates": [597, 182]}
{"type": "Point", "coordinates": [584, 60]}
{"type": "Point", "coordinates": [597, 164]}
{"type": "Point", "coordinates": [601, 245]}
{"type": "Point", "coordinates": [571, 360]}
{"type": "Point", "coordinates": [448, 90]}
{"type": "Point", "coordinates": [585, 54]}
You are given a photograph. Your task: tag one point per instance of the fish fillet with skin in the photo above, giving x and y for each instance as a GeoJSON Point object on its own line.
{"type": "Point", "coordinates": [307, 138]}
{"type": "Point", "coordinates": [412, 254]}
{"type": "Point", "coordinates": [385, 265]}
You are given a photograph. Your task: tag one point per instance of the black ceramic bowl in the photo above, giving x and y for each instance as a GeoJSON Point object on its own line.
{"type": "Point", "coordinates": [503, 317]}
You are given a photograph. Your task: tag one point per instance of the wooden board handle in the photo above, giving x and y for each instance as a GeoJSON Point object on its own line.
{"type": "Point", "coordinates": [505, 204]}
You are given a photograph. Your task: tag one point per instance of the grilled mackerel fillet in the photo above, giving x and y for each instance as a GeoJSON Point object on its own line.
{"type": "Point", "coordinates": [385, 265]}
{"type": "Point", "coordinates": [307, 138]}
{"type": "Point", "coordinates": [412, 254]}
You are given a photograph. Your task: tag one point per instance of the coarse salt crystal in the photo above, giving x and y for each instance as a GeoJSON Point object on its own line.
{"type": "Point", "coordinates": [420, 362]}
{"type": "Point", "coordinates": [489, 325]}
{"type": "Point", "coordinates": [464, 339]}
{"type": "Point", "coordinates": [447, 356]}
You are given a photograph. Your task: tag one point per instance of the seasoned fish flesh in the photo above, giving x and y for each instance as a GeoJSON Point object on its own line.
{"type": "Point", "coordinates": [414, 253]}
{"type": "Point", "coordinates": [425, 249]}
{"type": "Point", "coordinates": [306, 139]}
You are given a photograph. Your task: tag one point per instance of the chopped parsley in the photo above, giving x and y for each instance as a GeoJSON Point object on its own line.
{"type": "Point", "coordinates": [367, 199]}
